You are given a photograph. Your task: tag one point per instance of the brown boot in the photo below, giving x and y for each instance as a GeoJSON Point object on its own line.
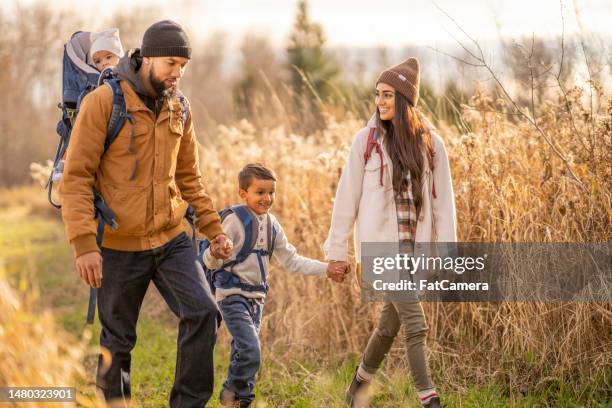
{"type": "Point", "coordinates": [357, 395]}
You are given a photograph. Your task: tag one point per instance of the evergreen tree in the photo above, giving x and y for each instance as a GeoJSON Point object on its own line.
{"type": "Point", "coordinates": [307, 58]}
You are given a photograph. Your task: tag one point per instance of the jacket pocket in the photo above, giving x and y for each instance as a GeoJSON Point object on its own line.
{"type": "Point", "coordinates": [372, 174]}
{"type": "Point", "coordinates": [130, 207]}
{"type": "Point", "coordinates": [178, 206]}
{"type": "Point", "coordinates": [175, 121]}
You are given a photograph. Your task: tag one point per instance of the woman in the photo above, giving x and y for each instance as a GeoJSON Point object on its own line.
{"type": "Point", "coordinates": [396, 187]}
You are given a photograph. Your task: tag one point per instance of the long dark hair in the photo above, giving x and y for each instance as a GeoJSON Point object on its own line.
{"type": "Point", "coordinates": [406, 138]}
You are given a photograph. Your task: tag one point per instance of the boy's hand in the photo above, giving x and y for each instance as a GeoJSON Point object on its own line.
{"type": "Point", "coordinates": [221, 247]}
{"type": "Point", "coordinates": [89, 266]}
{"type": "Point", "coordinates": [337, 270]}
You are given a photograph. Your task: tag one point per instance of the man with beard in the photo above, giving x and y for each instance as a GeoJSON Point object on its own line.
{"type": "Point", "coordinates": [147, 176]}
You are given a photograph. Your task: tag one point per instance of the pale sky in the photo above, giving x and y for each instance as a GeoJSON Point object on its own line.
{"type": "Point", "coordinates": [392, 23]}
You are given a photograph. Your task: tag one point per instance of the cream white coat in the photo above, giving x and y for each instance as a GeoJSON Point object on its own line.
{"type": "Point", "coordinates": [362, 203]}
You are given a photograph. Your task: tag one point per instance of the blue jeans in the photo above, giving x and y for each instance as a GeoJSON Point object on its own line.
{"type": "Point", "coordinates": [242, 318]}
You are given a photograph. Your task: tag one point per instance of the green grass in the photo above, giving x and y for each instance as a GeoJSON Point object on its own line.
{"type": "Point", "coordinates": [36, 255]}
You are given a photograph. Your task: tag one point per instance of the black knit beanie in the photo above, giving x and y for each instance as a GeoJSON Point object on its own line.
{"type": "Point", "coordinates": [165, 39]}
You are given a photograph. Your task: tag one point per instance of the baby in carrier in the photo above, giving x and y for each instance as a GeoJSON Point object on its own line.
{"type": "Point", "coordinates": [86, 56]}
{"type": "Point", "coordinates": [106, 49]}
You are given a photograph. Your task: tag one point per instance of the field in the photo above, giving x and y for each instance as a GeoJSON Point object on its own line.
{"type": "Point", "coordinates": [508, 187]}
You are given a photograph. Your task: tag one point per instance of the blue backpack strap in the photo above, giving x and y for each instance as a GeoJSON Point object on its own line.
{"type": "Point", "coordinates": [105, 215]}
{"type": "Point", "coordinates": [119, 114]}
{"type": "Point", "coordinates": [116, 121]}
{"type": "Point", "coordinates": [262, 270]}
{"type": "Point", "coordinates": [227, 280]}
{"type": "Point", "coordinates": [225, 212]}
{"type": "Point", "coordinates": [245, 217]}
{"type": "Point", "coordinates": [273, 228]}
{"type": "Point", "coordinates": [261, 253]}
{"type": "Point", "coordinates": [82, 95]}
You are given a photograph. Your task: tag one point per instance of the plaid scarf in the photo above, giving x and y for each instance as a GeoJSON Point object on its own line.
{"type": "Point", "coordinates": [406, 217]}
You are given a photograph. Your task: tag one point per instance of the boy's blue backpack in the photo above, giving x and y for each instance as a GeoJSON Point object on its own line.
{"type": "Point", "coordinates": [78, 79]}
{"type": "Point", "coordinates": [223, 277]}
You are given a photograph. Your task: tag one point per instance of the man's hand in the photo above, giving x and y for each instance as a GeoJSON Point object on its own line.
{"type": "Point", "coordinates": [221, 247]}
{"type": "Point", "coordinates": [337, 270]}
{"type": "Point", "coordinates": [89, 266]}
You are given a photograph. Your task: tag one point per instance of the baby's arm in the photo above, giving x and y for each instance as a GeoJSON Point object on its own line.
{"type": "Point", "coordinates": [233, 229]}
{"type": "Point", "coordinates": [289, 258]}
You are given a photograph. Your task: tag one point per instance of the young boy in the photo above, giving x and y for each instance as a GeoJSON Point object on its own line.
{"type": "Point", "coordinates": [106, 49]}
{"type": "Point", "coordinates": [241, 287]}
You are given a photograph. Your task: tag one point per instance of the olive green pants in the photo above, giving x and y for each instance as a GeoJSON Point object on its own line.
{"type": "Point", "coordinates": [411, 316]}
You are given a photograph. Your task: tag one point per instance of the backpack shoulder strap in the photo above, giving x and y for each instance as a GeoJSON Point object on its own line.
{"type": "Point", "coordinates": [245, 217]}
{"type": "Point", "coordinates": [273, 228]}
{"type": "Point", "coordinates": [119, 114]}
{"type": "Point", "coordinates": [225, 212]}
{"type": "Point", "coordinates": [82, 95]}
{"type": "Point", "coordinates": [371, 144]}
{"type": "Point", "coordinates": [374, 144]}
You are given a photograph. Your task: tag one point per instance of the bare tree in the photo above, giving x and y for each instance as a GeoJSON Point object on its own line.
{"type": "Point", "coordinates": [526, 111]}
{"type": "Point", "coordinates": [30, 85]}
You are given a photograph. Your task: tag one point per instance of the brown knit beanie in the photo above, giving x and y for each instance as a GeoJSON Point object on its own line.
{"type": "Point", "coordinates": [405, 78]}
{"type": "Point", "coordinates": [165, 39]}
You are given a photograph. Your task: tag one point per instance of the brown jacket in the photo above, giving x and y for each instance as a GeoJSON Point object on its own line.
{"type": "Point", "coordinates": [147, 180]}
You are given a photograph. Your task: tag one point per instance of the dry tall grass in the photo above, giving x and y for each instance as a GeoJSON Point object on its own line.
{"type": "Point", "coordinates": [34, 350]}
{"type": "Point", "coordinates": [509, 187]}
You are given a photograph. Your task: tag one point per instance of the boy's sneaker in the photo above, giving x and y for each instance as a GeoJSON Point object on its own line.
{"type": "Point", "coordinates": [227, 399]}
{"type": "Point", "coordinates": [357, 393]}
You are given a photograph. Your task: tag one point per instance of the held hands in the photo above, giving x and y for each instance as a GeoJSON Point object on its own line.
{"type": "Point", "coordinates": [337, 270]}
{"type": "Point", "coordinates": [89, 266]}
{"type": "Point", "coordinates": [221, 247]}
